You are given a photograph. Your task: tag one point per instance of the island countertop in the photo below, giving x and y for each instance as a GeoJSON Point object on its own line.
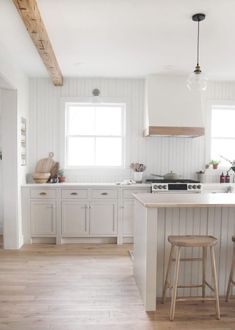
{"type": "Point", "coordinates": [185, 200]}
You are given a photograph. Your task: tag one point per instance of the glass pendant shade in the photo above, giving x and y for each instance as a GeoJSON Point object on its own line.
{"type": "Point", "coordinates": [197, 82]}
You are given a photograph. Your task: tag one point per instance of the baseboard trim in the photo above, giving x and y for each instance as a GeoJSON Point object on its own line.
{"type": "Point", "coordinates": [43, 240]}
{"type": "Point", "coordinates": [74, 240]}
{"type": "Point", "coordinates": [95, 240]}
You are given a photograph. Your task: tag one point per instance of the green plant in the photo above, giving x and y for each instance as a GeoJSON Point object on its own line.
{"type": "Point", "coordinates": [214, 162]}
{"type": "Point", "coordinates": [61, 172]}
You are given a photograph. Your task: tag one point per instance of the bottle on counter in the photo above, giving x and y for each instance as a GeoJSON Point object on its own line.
{"type": "Point", "coordinates": [222, 178]}
{"type": "Point", "coordinates": [227, 178]}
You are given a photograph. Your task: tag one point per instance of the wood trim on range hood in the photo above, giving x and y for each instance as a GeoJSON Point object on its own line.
{"type": "Point", "coordinates": [174, 131]}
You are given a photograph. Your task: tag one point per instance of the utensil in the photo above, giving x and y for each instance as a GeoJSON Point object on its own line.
{"type": "Point", "coordinates": [137, 167]}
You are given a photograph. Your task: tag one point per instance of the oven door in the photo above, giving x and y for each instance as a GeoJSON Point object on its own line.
{"type": "Point", "coordinates": [176, 192]}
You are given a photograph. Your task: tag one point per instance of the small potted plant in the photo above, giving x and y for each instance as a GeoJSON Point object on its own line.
{"type": "Point", "coordinates": [61, 176]}
{"type": "Point", "coordinates": [214, 163]}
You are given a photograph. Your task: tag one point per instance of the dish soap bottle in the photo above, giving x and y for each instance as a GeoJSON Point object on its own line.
{"type": "Point", "coordinates": [227, 177]}
{"type": "Point", "coordinates": [222, 178]}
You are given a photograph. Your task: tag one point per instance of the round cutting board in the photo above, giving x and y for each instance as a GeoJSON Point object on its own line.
{"type": "Point", "coordinates": [46, 164]}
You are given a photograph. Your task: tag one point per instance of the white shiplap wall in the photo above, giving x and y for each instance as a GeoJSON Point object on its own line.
{"type": "Point", "coordinates": [185, 156]}
{"type": "Point", "coordinates": [161, 154]}
{"type": "Point", "coordinates": [218, 222]}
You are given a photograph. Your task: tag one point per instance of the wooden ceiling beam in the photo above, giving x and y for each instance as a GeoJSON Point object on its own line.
{"type": "Point", "coordinates": [33, 22]}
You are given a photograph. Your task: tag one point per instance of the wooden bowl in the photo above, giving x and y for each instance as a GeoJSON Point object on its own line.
{"type": "Point", "coordinates": [41, 177]}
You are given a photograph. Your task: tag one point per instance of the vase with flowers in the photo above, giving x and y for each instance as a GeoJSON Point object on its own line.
{"type": "Point", "coordinates": [138, 171]}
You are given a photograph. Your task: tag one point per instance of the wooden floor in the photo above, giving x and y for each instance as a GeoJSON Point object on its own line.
{"type": "Point", "coordinates": [87, 287]}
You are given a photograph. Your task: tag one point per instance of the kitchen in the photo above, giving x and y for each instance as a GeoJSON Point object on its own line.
{"type": "Point", "coordinates": [43, 105]}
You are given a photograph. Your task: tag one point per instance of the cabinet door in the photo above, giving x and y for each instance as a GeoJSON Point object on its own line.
{"type": "Point", "coordinates": [128, 217]}
{"type": "Point", "coordinates": [74, 219]}
{"type": "Point", "coordinates": [42, 218]}
{"type": "Point", "coordinates": [103, 218]}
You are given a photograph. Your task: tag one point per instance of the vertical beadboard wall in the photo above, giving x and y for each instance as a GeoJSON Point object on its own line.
{"type": "Point", "coordinates": [218, 222]}
{"type": "Point", "coordinates": [185, 156]}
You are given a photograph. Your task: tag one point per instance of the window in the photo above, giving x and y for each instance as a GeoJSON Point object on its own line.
{"type": "Point", "coordinates": [223, 132]}
{"type": "Point", "coordinates": [94, 135]}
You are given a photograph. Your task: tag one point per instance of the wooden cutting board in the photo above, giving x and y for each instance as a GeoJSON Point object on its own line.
{"type": "Point", "coordinates": [45, 165]}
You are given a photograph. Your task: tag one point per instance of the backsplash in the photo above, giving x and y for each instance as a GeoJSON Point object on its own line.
{"type": "Point", "coordinates": [185, 156]}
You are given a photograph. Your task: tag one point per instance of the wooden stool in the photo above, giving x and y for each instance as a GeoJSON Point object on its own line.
{"type": "Point", "coordinates": [231, 281]}
{"type": "Point", "coordinates": [204, 242]}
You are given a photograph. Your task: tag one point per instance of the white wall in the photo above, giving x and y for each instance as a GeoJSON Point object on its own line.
{"type": "Point", "coordinates": [1, 182]}
{"type": "Point", "coordinates": [160, 154]}
{"type": "Point", "coordinates": [14, 95]}
{"type": "Point", "coordinates": [11, 212]}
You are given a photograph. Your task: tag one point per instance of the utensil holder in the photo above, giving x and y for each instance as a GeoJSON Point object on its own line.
{"type": "Point", "coordinates": [138, 176]}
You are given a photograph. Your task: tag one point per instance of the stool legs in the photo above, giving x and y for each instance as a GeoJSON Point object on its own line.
{"type": "Point", "coordinates": [204, 262]}
{"type": "Point", "coordinates": [231, 281]}
{"type": "Point", "coordinates": [214, 276]}
{"type": "Point", "coordinates": [166, 284]}
{"type": "Point", "coordinates": [174, 289]}
{"type": "Point", "coordinates": [214, 286]}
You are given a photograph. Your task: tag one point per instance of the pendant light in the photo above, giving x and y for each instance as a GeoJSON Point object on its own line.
{"type": "Point", "coordinates": [197, 80]}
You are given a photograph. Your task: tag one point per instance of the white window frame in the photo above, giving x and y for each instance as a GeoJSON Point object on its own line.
{"type": "Point", "coordinates": [210, 105]}
{"type": "Point", "coordinates": [64, 136]}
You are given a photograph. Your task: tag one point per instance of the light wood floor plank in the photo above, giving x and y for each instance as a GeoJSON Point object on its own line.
{"type": "Point", "coordinates": [88, 287]}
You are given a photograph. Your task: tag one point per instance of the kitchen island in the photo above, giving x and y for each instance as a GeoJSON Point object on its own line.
{"type": "Point", "coordinates": [160, 215]}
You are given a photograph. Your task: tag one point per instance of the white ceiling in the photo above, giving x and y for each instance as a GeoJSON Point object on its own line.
{"type": "Point", "coordinates": [126, 38]}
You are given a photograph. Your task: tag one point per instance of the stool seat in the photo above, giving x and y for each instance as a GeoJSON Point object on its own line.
{"type": "Point", "coordinates": [192, 240]}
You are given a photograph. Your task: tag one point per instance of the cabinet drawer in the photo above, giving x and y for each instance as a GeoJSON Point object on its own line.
{"type": "Point", "coordinates": [104, 193]}
{"type": "Point", "coordinates": [43, 193]}
{"type": "Point", "coordinates": [128, 193]}
{"type": "Point", "coordinates": [74, 193]}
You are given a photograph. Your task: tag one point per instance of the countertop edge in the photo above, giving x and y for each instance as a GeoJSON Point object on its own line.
{"type": "Point", "coordinates": [207, 200]}
{"type": "Point", "coordinates": [79, 185]}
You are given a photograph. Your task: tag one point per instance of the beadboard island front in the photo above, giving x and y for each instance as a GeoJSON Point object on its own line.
{"type": "Point", "coordinates": [159, 215]}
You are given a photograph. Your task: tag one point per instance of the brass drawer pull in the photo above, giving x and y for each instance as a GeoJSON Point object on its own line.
{"type": "Point", "coordinates": [43, 193]}
{"type": "Point", "coordinates": [104, 194]}
{"type": "Point", "coordinates": [74, 194]}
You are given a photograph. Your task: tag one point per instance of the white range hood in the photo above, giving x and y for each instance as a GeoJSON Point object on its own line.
{"type": "Point", "coordinates": [171, 109]}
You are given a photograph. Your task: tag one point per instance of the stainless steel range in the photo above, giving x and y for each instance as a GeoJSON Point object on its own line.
{"type": "Point", "coordinates": [175, 186]}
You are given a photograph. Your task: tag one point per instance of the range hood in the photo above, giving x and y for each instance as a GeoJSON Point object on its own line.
{"type": "Point", "coordinates": [171, 109]}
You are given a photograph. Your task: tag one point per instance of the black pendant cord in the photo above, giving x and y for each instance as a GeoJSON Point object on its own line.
{"type": "Point", "coordinates": [198, 31]}
{"type": "Point", "coordinates": [198, 18]}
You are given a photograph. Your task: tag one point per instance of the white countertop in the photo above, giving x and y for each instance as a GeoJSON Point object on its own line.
{"type": "Point", "coordinates": [220, 187]}
{"type": "Point", "coordinates": [85, 184]}
{"type": "Point", "coordinates": [185, 200]}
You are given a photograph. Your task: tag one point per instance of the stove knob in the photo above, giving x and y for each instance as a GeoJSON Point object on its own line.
{"type": "Point", "coordinates": [190, 186]}
{"type": "Point", "coordinates": [160, 186]}
{"type": "Point", "coordinates": [198, 186]}
{"type": "Point", "coordinates": [155, 186]}
{"type": "Point", "coordinates": [194, 186]}
{"type": "Point", "coordinates": [164, 187]}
